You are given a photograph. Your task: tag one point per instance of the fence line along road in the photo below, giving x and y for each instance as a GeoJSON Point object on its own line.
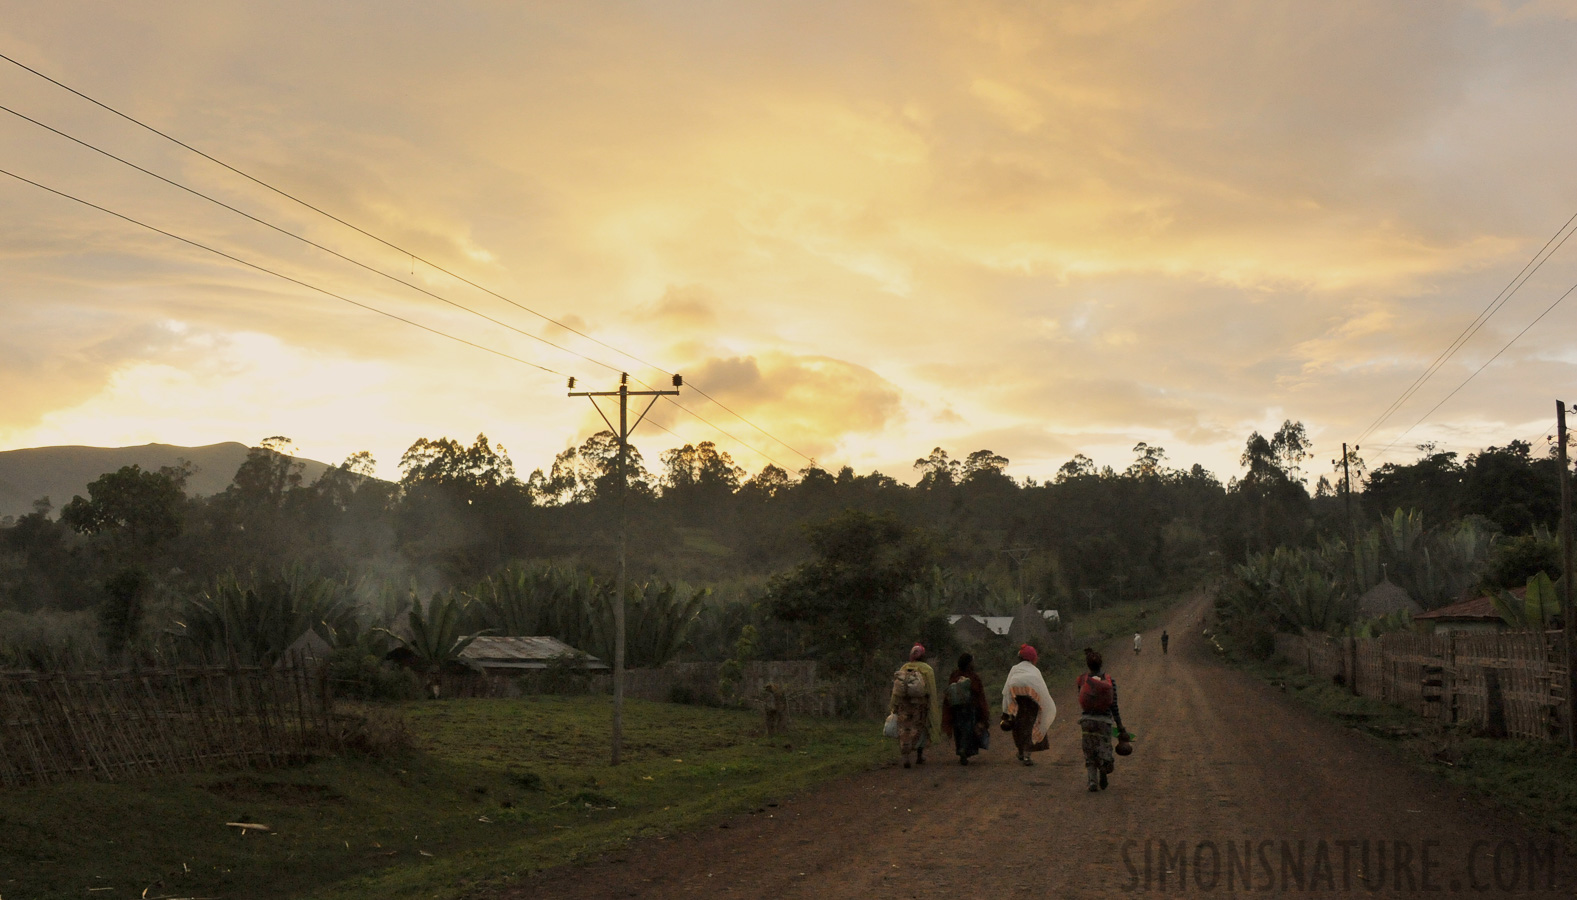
{"type": "Point", "coordinates": [126, 723]}
{"type": "Point", "coordinates": [1507, 683]}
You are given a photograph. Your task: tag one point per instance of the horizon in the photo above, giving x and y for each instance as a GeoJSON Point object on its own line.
{"type": "Point", "coordinates": [870, 231]}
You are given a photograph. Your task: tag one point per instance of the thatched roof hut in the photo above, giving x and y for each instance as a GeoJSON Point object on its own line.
{"type": "Point", "coordinates": [1384, 599]}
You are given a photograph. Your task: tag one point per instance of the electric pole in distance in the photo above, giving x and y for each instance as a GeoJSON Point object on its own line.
{"type": "Point", "coordinates": [623, 431]}
{"type": "Point", "coordinates": [1018, 555]}
{"type": "Point", "coordinates": [1568, 627]}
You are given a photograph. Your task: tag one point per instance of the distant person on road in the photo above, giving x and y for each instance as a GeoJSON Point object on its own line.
{"type": "Point", "coordinates": [965, 714]}
{"type": "Point", "coordinates": [1136, 639]}
{"type": "Point", "coordinates": [1026, 698]}
{"type": "Point", "coordinates": [1165, 639]}
{"type": "Point", "coordinates": [1098, 714]}
{"type": "Point", "coordinates": [914, 703]}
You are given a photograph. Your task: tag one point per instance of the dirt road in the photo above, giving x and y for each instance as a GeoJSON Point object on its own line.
{"type": "Point", "coordinates": [1254, 790]}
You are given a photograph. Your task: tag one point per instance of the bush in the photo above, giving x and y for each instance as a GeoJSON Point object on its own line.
{"type": "Point", "coordinates": [357, 675]}
{"type": "Point", "coordinates": [48, 640]}
{"type": "Point", "coordinates": [375, 733]}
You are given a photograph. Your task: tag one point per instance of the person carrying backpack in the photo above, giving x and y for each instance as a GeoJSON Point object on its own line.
{"type": "Point", "coordinates": [1098, 714]}
{"type": "Point", "coordinates": [964, 711]}
{"type": "Point", "coordinates": [914, 703]}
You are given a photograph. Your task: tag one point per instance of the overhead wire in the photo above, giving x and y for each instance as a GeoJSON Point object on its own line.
{"type": "Point", "coordinates": [275, 273]}
{"type": "Point", "coordinates": [741, 418]}
{"type": "Point", "coordinates": [302, 238]}
{"type": "Point", "coordinates": [387, 243]}
{"type": "Point", "coordinates": [1503, 349]}
{"type": "Point", "coordinates": [731, 437]}
{"type": "Point", "coordinates": [1478, 323]}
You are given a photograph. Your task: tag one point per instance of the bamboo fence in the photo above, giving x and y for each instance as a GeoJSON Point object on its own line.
{"type": "Point", "coordinates": [128, 723]}
{"type": "Point", "coordinates": [1453, 678]}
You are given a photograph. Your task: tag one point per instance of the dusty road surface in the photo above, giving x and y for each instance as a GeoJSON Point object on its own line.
{"type": "Point", "coordinates": [1259, 796]}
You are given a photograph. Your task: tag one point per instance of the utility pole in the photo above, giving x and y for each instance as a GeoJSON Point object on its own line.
{"type": "Point", "coordinates": [624, 394]}
{"type": "Point", "coordinates": [1352, 524]}
{"type": "Point", "coordinates": [1568, 632]}
{"type": "Point", "coordinates": [1089, 594]}
{"type": "Point", "coordinates": [1019, 554]}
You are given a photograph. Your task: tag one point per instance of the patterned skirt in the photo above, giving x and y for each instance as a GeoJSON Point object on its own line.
{"type": "Point", "coordinates": [914, 724]}
{"type": "Point", "coordinates": [1097, 738]}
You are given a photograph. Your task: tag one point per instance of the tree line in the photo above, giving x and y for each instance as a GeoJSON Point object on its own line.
{"type": "Point", "coordinates": [787, 555]}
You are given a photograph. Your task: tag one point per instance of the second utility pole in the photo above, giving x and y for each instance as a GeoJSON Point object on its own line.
{"type": "Point", "coordinates": [624, 394]}
{"type": "Point", "coordinates": [1568, 627]}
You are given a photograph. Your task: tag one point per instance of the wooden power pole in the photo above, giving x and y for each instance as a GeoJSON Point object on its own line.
{"type": "Point", "coordinates": [623, 431]}
{"type": "Point", "coordinates": [1568, 631]}
{"type": "Point", "coordinates": [1352, 524]}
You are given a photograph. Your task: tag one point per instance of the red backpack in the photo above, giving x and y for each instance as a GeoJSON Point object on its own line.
{"type": "Point", "coordinates": [1095, 693]}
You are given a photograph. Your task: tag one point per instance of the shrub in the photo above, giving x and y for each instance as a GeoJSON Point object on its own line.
{"type": "Point", "coordinates": [358, 675]}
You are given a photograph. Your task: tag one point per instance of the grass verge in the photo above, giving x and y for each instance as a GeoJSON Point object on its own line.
{"type": "Point", "coordinates": [492, 790]}
{"type": "Point", "coordinates": [1535, 780]}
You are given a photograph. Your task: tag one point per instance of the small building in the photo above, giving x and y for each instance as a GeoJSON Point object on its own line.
{"type": "Point", "coordinates": [1384, 599]}
{"type": "Point", "coordinates": [1030, 626]}
{"type": "Point", "coordinates": [997, 625]}
{"type": "Point", "coordinates": [971, 631]}
{"type": "Point", "coordinates": [310, 650]}
{"type": "Point", "coordinates": [1475, 616]}
{"type": "Point", "coordinates": [514, 655]}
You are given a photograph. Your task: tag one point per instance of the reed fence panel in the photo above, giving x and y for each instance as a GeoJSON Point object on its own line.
{"type": "Point", "coordinates": [121, 724]}
{"type": "Point", "coordinates": [1442, 676]}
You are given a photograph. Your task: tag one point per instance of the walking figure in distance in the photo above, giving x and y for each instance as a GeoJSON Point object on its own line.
{"type": "Point", "coordinates": [1098, 714]}
{"type": "Point", "coordinates": [914, 703]}
{"type": "Point", "coordinates": [965, 715]}
{"type": "Point", "coordinates": [1165, 639]}
{"type": "Point", "coordinates": [1136, 638]}
{"type": "Point", "coordinates": [1027, 701]}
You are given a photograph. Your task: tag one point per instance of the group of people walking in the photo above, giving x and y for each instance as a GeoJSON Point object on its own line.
{"type": "Point", "coordinates": [919, 714]}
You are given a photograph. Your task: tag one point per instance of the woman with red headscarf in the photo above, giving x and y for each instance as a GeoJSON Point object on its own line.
{"type": "Point", "coordinates": [1026, 698]}
{"type": "Point", "coordinates": [914, 702]}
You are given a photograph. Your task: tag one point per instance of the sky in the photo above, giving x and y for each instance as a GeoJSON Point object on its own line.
{"type": "Point", "coordinates": [870, 229]}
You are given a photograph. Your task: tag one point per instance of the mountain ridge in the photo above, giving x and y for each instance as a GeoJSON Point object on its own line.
{"type": "Point", "coordinates": [62, 472]}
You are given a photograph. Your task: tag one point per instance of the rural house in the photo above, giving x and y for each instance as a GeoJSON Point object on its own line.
{"type": "Point", "coordinates": [1475, 616]}
{"type": "Point", "coordinates": [514, 655]}
{"type": "Point", "coordinates": [1384, 599]}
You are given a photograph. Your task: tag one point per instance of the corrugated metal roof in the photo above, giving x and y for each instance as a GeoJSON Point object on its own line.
{"type": "Point", "coordinates": [1477, 608]}
{"type": "Point", "coordinates": [539, 649]}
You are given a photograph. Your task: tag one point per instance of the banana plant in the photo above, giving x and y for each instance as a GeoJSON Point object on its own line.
{"type": "Point", "coordinates": [434, 636]}
{"type": "Point", "coordinates": [1534, 611]}
{"type": "Point", "coordinates": [254, 620]}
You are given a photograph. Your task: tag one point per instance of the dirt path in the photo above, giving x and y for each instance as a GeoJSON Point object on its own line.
{"type": "Point", "coordinates": [1221, 760]}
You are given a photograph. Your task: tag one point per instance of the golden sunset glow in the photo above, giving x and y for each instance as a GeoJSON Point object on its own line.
{"type": "Point", "coordinates": [869, 228]}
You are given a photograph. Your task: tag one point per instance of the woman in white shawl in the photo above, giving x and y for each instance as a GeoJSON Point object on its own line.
{"type": "Point", "coordinates": [1026, 699]}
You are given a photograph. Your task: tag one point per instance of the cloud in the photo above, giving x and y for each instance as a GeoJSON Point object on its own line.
{"type": "Point", "coordinates": [811, 403]}
{"type": "Point", "coordinates": [1071, 226]}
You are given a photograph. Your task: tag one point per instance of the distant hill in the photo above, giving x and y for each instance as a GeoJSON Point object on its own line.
{"type": "Point", "coordinates": [61, 473]}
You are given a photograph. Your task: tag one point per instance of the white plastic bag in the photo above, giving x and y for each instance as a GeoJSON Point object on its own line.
{"type": "Point", "coordinates": [890, 728]}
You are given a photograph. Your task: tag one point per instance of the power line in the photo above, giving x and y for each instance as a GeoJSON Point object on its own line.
{"type": "Point", "coordinates": [393, 246]}
{"type": "Point", "coordinates": [294, 199]}
{"type": "Point", "coordinates": [1515, 338]}
{"type": "Point", "coordinates": [736, 440]}
{"type": "Point", "coordinates": [276, 274]}
{"type": "Point", "coordinates": [1478, 322]}
{"type": "Point", "coordinates": [741, 418]}
{"type": "Point", "coordinates": [305, 240]}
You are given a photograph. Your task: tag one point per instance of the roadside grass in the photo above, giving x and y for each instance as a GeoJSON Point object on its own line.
{"type": "Point", "coordinates": [1535, 780]}
{"type": "Point", "coordinates": [491, 790]}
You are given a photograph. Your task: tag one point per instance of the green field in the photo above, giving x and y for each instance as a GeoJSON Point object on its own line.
{"type": "Point", "coordinates": [489, 790]}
